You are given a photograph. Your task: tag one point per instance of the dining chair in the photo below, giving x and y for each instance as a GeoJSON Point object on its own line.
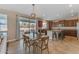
{"type": "Point", "coordinates": [27, 42]}
{"type": "Point", "coordinates": [1, 39]}
{"type": "Point", "coordinates": [42, 43]}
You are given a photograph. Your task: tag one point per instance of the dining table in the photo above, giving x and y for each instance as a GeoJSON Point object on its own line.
{"type": "Point", "coordinates": [33, 37]}
{"type": "Point", "coordinates": [35, 40]}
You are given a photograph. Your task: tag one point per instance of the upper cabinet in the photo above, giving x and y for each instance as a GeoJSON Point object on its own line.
{"type": "Point", "coordinates": [61, 22]}
{"type": "Point", "coordinates": [70, 23]}
{"type": "Point", "coordinates": [66, 23]}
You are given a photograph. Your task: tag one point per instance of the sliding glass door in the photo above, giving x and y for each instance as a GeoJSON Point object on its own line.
{"type": "Point", "coordinates": [3, 26]}
{"type": "Point", "coordinates": [33, 28]}
{"type": "Point", "coordinates": [26, 25]}
{"type": "Point", "coordinates": [22, 26]}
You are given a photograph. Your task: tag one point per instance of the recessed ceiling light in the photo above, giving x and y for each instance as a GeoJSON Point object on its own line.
{"type": "Point", "coordinates": [70, 5]}
{"type": "Point", "coordinates": [72, 11]}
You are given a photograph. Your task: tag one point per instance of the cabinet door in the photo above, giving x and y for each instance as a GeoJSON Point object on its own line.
{"type": "Point", "coordinates": [70, 23]}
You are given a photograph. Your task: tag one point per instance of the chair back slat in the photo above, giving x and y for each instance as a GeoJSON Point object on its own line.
{"type": "Point", "coordinates": [44, 41]}
{"type": "Point", "coordinates": [26, 38]}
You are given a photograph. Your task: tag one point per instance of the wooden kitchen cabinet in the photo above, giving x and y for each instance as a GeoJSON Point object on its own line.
{"type": "Point", "coordinates": [50, 25]}
{"type": "Point", "coordinates": [61, 22]}
{"type": "Point", "coordinates": [70, 33]}
{"type": "Point", "coordinates": [70, 23]}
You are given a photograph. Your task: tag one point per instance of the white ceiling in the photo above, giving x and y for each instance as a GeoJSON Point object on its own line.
{"type": "Point", "coordinates": [47, 11]}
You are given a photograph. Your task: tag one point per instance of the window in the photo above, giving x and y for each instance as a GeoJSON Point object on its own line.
{"type": "Point", "coordinates": [33, 28]}
{"type": "Point", "coordinates": [32, 25]}
{"type": "Point", "coordinates": [26, 25]}
{"type": "Point", "coordinates": [3, 26]}
{"type": "Point", "coordinates": [23, 25]}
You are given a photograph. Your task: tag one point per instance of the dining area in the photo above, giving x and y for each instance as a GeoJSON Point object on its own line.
{"type": "Point", "coordinates": [29, 34]}
{"type": "Point", "coordinates": [33, 40]}
{"type": "Point", "coordinates": [43, 45]}
{"type": "Point", "coordinates": [39, 31]}
{"type": "Point", "coordinates": [36, 43]}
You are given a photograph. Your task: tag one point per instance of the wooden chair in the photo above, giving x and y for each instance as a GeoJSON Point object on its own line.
{"type": "Point", "coordinates": [1, 39]}
{"type": "Point", "coordinates": [42, 43]}
{"type": "Point", "coordinates": [28, 43]}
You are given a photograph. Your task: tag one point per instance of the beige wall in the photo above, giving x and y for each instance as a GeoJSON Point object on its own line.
{"type": "Point", "coordinates": [11, 22]}
{"type": "Point", "coordinates": [12, 25]}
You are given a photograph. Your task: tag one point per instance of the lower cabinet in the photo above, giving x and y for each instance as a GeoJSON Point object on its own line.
{"type": "Point", "coordinates": [70, 33]}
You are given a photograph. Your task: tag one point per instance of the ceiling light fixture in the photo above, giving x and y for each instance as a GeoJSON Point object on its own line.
{"type": "Point", "coordinates": [33, 14]}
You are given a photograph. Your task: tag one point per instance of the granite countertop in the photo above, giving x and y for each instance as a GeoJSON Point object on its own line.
{"type": "Point", "coordinates": [64, 28]}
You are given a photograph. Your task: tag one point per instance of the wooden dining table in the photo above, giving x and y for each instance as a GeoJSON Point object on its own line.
{"type": "Point", "coordinates": [35, 40]}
